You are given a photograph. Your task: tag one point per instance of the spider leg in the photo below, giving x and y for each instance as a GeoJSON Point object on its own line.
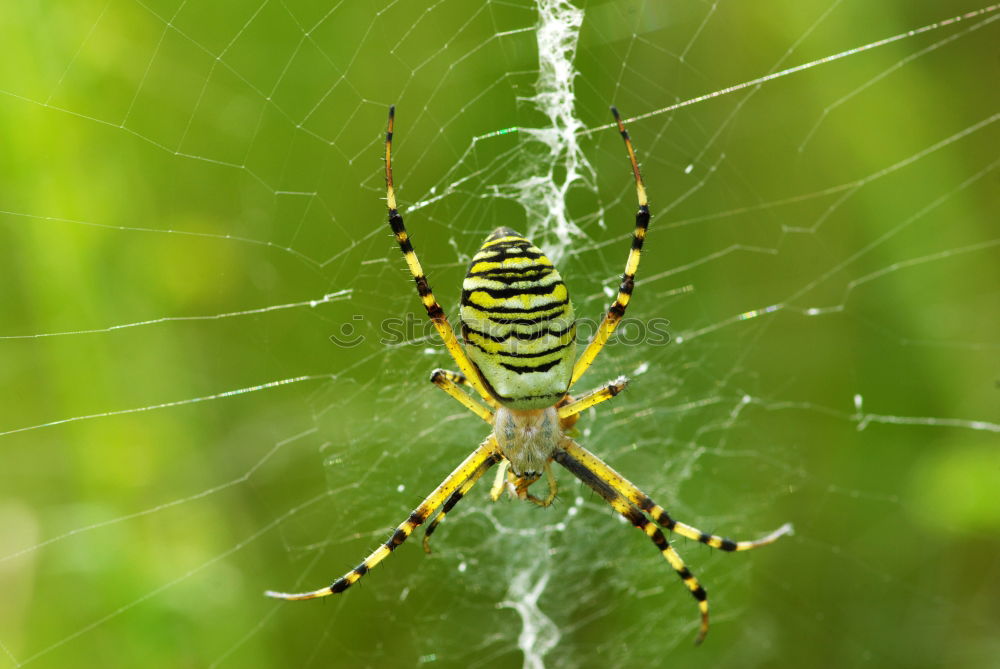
{"type": "Point", "coordinates": [434, 310]}
{"type": "Point", "coordinates": [500, 482]}
{"type": "Point", "coordinates": [449, 382]}
{"type": "Point", "coordinates": [617, 309]}
{"type": "Point", "coordinates": [455, 498]}
{"type": "Point", "coordinates": [631, 513]}
{"type": "Point", "coordinates": [462, 381]}
{"type": "Point", "coordinates": [596, 396]}
{"type": "Point", "coordinates": [553, 489]}
{"type": "Point", "coordinates": [486, 451]}
{"type": "Point", "coordinates": [637, 497]}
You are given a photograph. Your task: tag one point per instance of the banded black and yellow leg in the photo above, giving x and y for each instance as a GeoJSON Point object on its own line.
{"type": "Point", "coordinates": [434, 310]}
{"type": "Point", "coordinates": [450, 382]}
{"type": "Point", "coordinates": [596, 396]}
{"type": "Point", "coordinates": [486, 451]}
{"type": "Point", "coordinates": [461, 380]}
{"type": "Point", "coordinates": [637, 497]}
{"type": "Point", "coordinates": [631, 513]}
{"type": "Point", "coordinates": [455, 499]}
{"type": "Point", "coordinates": [617, 309]}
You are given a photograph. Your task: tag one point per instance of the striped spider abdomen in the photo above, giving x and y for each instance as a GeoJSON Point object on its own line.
{"type": "Point", "coordinates": [518, 323]}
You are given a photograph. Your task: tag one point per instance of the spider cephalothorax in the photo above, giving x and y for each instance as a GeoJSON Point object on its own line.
{"type": "Point", "coordinates": [527, 438]}
{"type": "Point", "coordinates": [519, 357]}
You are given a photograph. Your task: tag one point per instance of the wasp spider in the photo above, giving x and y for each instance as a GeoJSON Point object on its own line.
{"type": "Point", "coordinates": [519, 357]}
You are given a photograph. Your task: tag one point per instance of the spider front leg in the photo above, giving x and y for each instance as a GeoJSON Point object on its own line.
{"type": "Point", "coordinates": [455, 498]}
{"type": "Point", "coordinates": [633, 494]}
{"type": "Point", "coordinates": [629, 511]}
{"type": "Point", "coordinates": [485, 452]}
{"type": "Point", "coordinates": [617, 310]}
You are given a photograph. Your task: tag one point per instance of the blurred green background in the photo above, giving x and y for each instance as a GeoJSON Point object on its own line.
{"type": "Point", "coordinates": [214, 167]}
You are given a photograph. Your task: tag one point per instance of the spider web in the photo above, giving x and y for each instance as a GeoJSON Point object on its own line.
{"type": "Point", "coordinates": [191, 209]}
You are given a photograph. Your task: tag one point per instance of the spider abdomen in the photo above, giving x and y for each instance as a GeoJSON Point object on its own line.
{"type": "Point", "coordinates": [518, 323]}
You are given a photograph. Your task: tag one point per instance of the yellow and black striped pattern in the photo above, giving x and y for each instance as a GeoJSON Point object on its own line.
{"type": "Point", "coordinates": [617, 501]}
{"type": "Point", "coordinates": [617, 309]}
{"type": "Point", "coordinates": [434, 311]}
{"type": "Point", "coordinates": [451, 383]}
{"type": "Point", "coordinates": [572, 406]}
{"type": "Point", "coordinates": [472, 468]}
{"type": "Point", "coordinates": [455, 498]}
{"type": "Point", "coordinates": [518, 322]}
{"type": "Point", "coordinates": [634, 495]}
{"type": "Point", "coordinates": [519, 331]}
